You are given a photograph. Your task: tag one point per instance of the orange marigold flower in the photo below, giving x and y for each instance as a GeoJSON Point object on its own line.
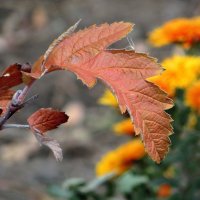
{"type": "Point", "coordinates": [164, 191]}
{"type": "Point", "coordinates": [108, 99]}
{"type": "Point", "coordinates": [133, 150]}
{"type": "Point", "coordinates": [181, 30]}
{"type": "Point", "coordinates": [180, 72]}
{"type": "Point", "coordinates": [121, 159]}
{"type": "Point", "coordinates": [193, 96]}
{"type": "Point", "coordinates": [124, 127]}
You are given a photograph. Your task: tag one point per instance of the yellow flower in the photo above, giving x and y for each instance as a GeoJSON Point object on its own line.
{"type": "Point", "coordinates": [121, 159]}
{"type": "Point", "coordinates": [108, 99]}
{"type": "Point", "coordinates": [108, 164]}
{"type": "Point", "coordinates": [180, 72]}
{"type": "Point", "coordinates": [181, 30]}
{"type": "Point", "coordinates": [193, 96]}
{"type": "Point", "coordinates": [124, 127]}
{"type": "Point", "coordinates": [133, 150]}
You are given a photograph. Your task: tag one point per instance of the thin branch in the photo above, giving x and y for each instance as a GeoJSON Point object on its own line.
{"type": "Point", "coordinates": [16, 104]}
{"type": "Point", "coordinates": [23, 94]}
{"type": "Point", "coordinates": [15, 126]}
{"type": "Point", "coordinates": [30, 100]}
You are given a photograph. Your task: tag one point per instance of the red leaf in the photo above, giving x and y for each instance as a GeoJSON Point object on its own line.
{"type": "Point", "coordinates": [5, 99]}
{"type": "Point", "coordinates": [125, 72]}
{"type": "Point", "coordinates": [46, 119]}
{"type": "Point", "coordinates": [11, 77]}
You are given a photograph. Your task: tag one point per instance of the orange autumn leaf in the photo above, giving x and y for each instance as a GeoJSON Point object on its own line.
{"type": "Point", "coordinates": [125, 72]}
{"type": "Point", "coordinates": [46, 119]}
{"type": "Point", "coordinates": [36, 71]}
{"type": "Point", "coordinates": [83, 45]}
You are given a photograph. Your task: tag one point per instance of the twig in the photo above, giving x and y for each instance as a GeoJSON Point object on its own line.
{"type": "Point", "coordinates": [15, 126]}
{"type": "Point", "coordinates": [23, 94]}
{"type": "Point", "coordinates": [16, 104]}
{"type": "Point", "coordinates": [30, 100]}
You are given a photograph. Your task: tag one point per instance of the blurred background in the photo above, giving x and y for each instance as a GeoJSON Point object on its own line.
{"type": "Point", "coordinates": [26, 30]}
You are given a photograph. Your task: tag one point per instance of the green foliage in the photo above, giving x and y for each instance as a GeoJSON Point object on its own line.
{"type": "Point", "coordinates": [128, 182]}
